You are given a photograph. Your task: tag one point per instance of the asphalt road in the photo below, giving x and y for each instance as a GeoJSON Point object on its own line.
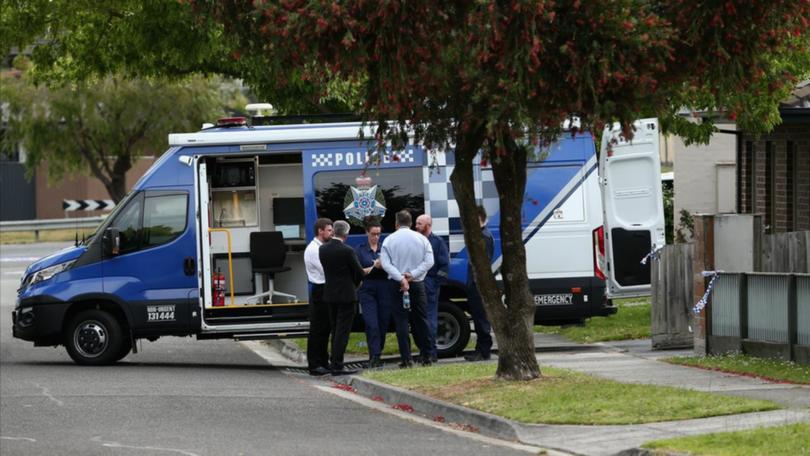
{"type": "Point", "coordinates": [183, 396]}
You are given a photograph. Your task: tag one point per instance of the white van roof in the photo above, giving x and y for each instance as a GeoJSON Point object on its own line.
{"type": "Point", "coordinates": [272, 134]}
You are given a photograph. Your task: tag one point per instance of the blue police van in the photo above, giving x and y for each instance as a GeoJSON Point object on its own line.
{"type": "Point", "coordinates": [209, 242]}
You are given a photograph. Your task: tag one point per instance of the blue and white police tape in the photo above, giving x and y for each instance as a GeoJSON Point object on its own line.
{"type": "Point", "coordinates": [703, 300]}
{"type": "Point", "coordinates": [654, 254]}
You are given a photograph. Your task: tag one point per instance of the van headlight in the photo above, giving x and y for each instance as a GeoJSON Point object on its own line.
{"type": "Point", "coordinates": [47, 273]}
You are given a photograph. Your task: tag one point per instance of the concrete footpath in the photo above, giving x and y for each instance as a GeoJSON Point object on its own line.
{"type": "Point", "coordinates": [627, 362]}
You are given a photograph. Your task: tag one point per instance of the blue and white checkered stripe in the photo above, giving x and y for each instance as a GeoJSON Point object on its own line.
{"type": "Point", "coordinates": [440, 202]}
{"type": "Point", "coordinates": [322, 160]}
{"type": "Point", "coordinates": [343, 159]}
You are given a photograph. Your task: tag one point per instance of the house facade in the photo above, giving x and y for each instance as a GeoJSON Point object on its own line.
{"type": "Point", "coordinates": [774, 172]}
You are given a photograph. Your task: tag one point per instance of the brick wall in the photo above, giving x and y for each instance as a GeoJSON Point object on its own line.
{"type": "Point", "coordinates": [775, 177]}
{"type": "Point", "coordinates": [49, 195]}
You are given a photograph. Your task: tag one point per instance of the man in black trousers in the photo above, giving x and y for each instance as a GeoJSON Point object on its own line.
{"type": "Point", "coordinates": [319, 326]}
{"type": "Point", "coordinates": [483, 340]}
{"type": "Point", "coordinates": [343, 275]}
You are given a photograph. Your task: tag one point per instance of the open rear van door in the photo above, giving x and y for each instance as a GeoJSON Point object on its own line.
{"type": "Point", "coordinates": [630, 177]}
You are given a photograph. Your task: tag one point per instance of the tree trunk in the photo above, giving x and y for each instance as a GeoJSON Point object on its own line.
{"type": "Point", "coordinates": [117, 188]}
{"type": "Point", "coordinates": [511, 319]}
{"type": "Point", "coordinates": [514, 321]}
{"type": "Point", "coordinates": [117, 183]}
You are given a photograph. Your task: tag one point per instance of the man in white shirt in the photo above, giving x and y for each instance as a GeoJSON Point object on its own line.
{"type": "Point", "coordinates": [319, 325]}
{"type": "Point", "coordinates": [407, 257]}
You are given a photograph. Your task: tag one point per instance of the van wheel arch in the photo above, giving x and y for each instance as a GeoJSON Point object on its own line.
{"type": "Point", "coordinates": [110, 307]}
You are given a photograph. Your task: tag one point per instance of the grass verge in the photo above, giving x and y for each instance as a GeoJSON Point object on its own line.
{"type": "Point", "coordinates": [632, 321]}
{"type": "Point", "coordinates": [27, 237]}
{"type": "Point", "coordinates": [788, 440]}
{"type": "Point", "coordinates": [563, 396]}
{"type": "Point", "coordinates": [769, 369]}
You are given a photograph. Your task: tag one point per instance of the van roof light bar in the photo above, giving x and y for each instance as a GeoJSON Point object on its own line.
{"type": "Point", "coordinates": [232, 122]}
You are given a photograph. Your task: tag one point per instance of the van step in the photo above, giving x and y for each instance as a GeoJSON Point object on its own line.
{"type": "Point", "coordinates": [245, 319]}
{"type": "Point", "coordinates": [270, 335]}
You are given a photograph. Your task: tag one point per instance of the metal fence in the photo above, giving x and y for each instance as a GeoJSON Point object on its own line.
{"type": "Point", "coordinates": [52, 224]}
{"type": "Point", "coordinates": [764, 314]}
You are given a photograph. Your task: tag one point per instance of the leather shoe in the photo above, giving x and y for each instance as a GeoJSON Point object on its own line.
{"type": "Point", "coordinates": [425, 361]}
{"type": "Point", "coordinates": [344, 372]}
{"type": "Point", "coordinates": [406, 364]}
{"type": "Point", "coordinates": [476, 357]}
{"type": "Point", "coordinates": [319, 371]}
{"type": "Point", "coordinates": [375, 363]}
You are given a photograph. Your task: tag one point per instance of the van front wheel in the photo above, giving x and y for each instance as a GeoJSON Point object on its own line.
{"type": "Point", "coordinates": [94, 338]}
{"type": "Point", "coordinates": [453, 330]}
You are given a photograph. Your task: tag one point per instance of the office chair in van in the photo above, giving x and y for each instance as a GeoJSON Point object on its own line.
{"type": "Point", "coordinates": [267, 255]}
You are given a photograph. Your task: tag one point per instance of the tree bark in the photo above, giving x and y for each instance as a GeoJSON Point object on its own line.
{"type": "Point", "coordinates": [514, 324]}
{"type": "Point", "coordinates": [118, 178]}
{"type": "Point", "coordinates": [513, 317]}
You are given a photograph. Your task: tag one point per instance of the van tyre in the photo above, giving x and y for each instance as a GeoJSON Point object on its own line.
{"type": "Point", "coordinates": [95, 338]}
{"type": "Point", "coordinates": [126, 347]}
{"type": "Point", "coordinates": [452, 331]}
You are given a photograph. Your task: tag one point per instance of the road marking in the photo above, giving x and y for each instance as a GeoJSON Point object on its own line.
{"type": "Point", "coordinates": [132, 447]}
{"type": "Point", "coordinates": [47, 393]}
{"type": "Point", "coordinates": [27, 439]}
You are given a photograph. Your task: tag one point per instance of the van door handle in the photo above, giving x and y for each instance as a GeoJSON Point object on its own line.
{"type": "Point", "coordinates": [188, 266]}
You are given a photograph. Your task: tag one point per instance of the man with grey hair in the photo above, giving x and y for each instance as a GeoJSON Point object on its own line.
{"type": "Point", "coordinates": [407, 256]}
{"type": "Point", "coordinates": [343, 274]}
{"type": "Point", "coordinates": [435, 278]}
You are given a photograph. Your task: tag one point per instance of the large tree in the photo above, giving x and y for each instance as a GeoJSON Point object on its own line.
{"type": "Point", "coordinates": [73, 40]}
{"type": "Point", "coordinates": [102, 126]}
{"type": "Point", "coordinates": [501, 77]}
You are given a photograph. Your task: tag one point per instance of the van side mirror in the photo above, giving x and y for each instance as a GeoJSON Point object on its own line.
{"type": "Point", "coordinates": [111, 242]}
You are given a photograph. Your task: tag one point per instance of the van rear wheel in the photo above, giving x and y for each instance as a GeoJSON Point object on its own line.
{"type": "Point", "coordinates": [94, 338]}
{"type": "Point", "coordinates": [453, 330]}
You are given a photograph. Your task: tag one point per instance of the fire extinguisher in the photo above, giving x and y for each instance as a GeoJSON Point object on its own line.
{"type": "Point", "coordinates": [219, 289]}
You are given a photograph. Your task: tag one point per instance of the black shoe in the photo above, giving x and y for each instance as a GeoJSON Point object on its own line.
{"type": "Point", "coordinates": [434, 359]}
{"type": "Point", "coordinates": [344, 371]}
{"type": "Point", "coordinates": [375, 362]}
{"type": "Point", "coordinates": [406, 364]}
{"type": "Point", "coordinates": [476, 357]}
{"type": "Point", "coordinates": [319, 371]}
{"type": "Point", "coordinates": [425, 361]}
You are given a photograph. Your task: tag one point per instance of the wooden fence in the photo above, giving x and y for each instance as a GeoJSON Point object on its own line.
{"type": "Point", "coordinates": [672, 297]}
{"type": "Point", "coordinates": [786, 252]}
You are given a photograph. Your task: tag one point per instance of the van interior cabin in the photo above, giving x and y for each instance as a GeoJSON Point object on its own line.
{"type": "Point", "coordinates": [253, 212]}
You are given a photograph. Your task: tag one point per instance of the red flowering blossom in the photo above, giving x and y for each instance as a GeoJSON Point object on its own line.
{"type": "Point", "coordinates": [496, 75]}
{"type": "Point", "coordinates": [404, 407]}
{"type": "Point", "coordinates": [345, 387]}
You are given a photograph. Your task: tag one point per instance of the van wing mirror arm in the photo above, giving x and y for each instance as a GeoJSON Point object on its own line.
{"type": "Point", "coordinates": [112, 242]}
